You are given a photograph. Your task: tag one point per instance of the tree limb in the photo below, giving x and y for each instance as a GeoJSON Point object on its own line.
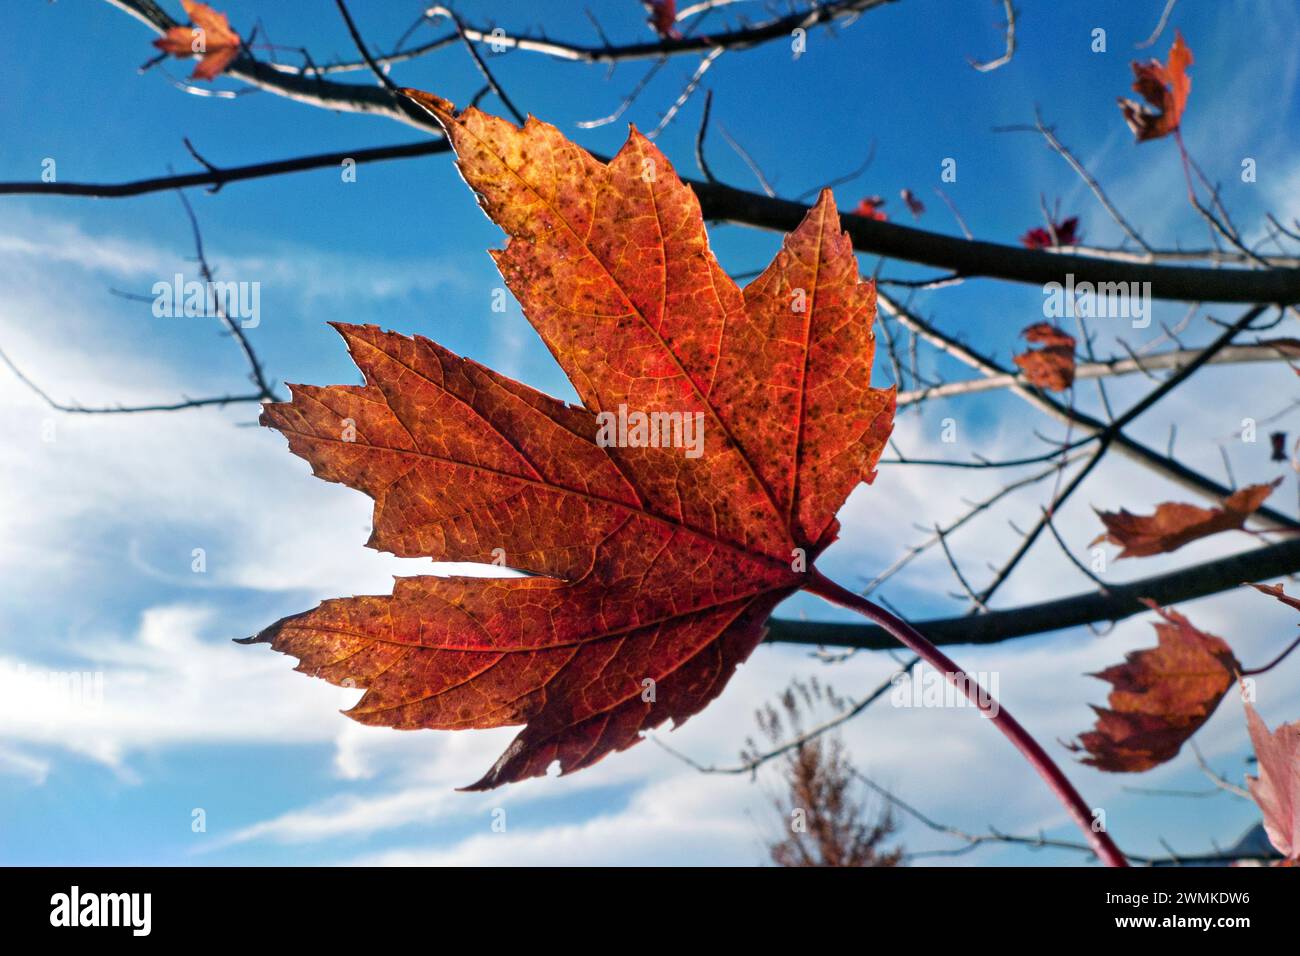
{"type": "Point", "coordinates": [1121, 601]}
{"type": "Point", "coordinates": [816, 14]}
{"type": "Point", "coordinates": [967, 257]}
{"type": "Point", "coordinates": [220, 176]}
{"type": "Point", "coordinates": [1175, 358]}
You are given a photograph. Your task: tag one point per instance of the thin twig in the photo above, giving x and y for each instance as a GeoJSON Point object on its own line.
{"type": "Point", "coordinates": [478, 61]}
{"type": "Point", "coordinates": [700, 159]}
{"type": "Point", "coordinates": [752, 764]}
{"type": "Point", "coordinates": [685, 94]}
{"type": "Point", "coordinates": [1005, 58]}
{"type": "Point", "coordinates": [1049, 135]}
{"type": "Point", "coordinates": [749, 161]}
{"type": "Point", "coordinates": [1160, 25]}
{"type": "Point", "coordinates": [952, 563]}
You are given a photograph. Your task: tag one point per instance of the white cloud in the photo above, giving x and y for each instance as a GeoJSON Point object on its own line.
{"type": "Point", "coordinates": [168, 685]}
{"type": "Point", "coordinates": [683, 820]}
{"type": "Point", "coordinates": [24, 766]}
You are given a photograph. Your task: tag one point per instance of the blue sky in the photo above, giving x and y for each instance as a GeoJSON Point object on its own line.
{"type": "Point", "coordinates": [99, 524]}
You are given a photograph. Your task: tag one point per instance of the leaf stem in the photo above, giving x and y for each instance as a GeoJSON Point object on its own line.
{"type": "Point", "coordinates": [907, 635]}
{"type": "Point", "coordinates": [1274, 662]}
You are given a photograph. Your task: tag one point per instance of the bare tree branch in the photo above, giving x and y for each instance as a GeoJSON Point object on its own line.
{"type": "Point", "coordinates": [1175, 358]}
{"type": "Point", "coordinates": [815, 15]}
{"type": "Point", "coordinates": [265, 389]}
{"type": "Point", "coordinates": [751, 764]}
{"type": "Point", "coordinates": [1160, 25]}
{"type": "Point", "coordinates": [972, 841]}
{"type": "Point", "coordinates": [1162, 464]}
{"type": "Point", "coordinates": [1049, 135]}
{"type": "Point", "coordinates": [963, 257]}
{"type": "Point", "coordinates": [217, 176]}
{"type": "Point", "coordinates": [1121, 601]}
{"type": "Point", "coordinates": [1005, 58]}
{"type": "Point", "coordinates": [76, 408]}
{"type": "Point", "coordinates": [313, 91]}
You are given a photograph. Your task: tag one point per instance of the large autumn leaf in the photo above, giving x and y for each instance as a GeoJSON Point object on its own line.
{"type": "Point", "coordinates": [653, 568]}
{"type": "Point", "coordinates": [1161, 696]}
{"type": "Point", "coordinates": [1175, 523]}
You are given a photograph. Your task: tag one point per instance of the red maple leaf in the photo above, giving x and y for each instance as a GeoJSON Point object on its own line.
{"type": "Point", "coordinates": [1175, 524]}
{"type": "Point", "coordinates": [1162, 695]}
{"type": "Point", "coordinates": [869, 208]}
{"type": "Point", "coordinates": [1165, 88]}
{"type": "Point", "coordinates": [1067, 234]}
{"type": "Point", "coordinates": [1052, 366]}
{"type": "Point", "coordinates": [653, 566]}
{"type": "Point", "coordinates": [210, 38]}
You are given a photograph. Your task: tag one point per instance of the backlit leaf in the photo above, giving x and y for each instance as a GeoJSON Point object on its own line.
{"type": "Point", "coordinates": [653, 563]}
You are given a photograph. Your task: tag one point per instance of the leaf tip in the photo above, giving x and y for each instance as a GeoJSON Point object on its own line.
{"type": "Point", "coordinates": [268, 635]}
{"type": "Point", "coordinates": [489, 781]}
{"type": "Point", "coordinates": [444, 111]}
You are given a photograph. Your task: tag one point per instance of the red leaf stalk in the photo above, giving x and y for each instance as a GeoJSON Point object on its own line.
{"type": "Point", "coordinates": [907, 635]}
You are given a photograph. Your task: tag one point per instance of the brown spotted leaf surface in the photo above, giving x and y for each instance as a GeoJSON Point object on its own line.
{"type": "Point", "coordinates": [1162, 695]}
{"type": "Point", "coordinates": [1175, 524]}
{"type": "Point", "coordinates": [650, 572]}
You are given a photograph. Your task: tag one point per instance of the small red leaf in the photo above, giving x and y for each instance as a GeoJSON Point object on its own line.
{"type": "Point", "coordinates": [1066, 234]}
{"type": "Point", "coordinates": [869, 208]}
{"type": "Point", "coordinates": [210, 38]}
{"type": "Point", "coordinates": [1052, 366]}
{"type": "Point", "coordinates": [1165, 88]}
{"type": "Point", "coordinates": [1175, 524]}
{"type": "Point", "coordinates": [1162, 695]}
